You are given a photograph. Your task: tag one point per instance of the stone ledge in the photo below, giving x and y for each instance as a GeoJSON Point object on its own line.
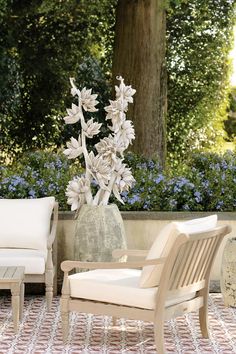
{"type": "Point", "coordinates": [160, 215]}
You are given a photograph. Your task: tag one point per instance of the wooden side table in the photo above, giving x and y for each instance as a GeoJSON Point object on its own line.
{"type": "Point", "coordinates": [12, 278]}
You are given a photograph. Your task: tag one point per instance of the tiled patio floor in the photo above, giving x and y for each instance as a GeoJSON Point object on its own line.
{"type": "Point", "coordinates": [40, 332]}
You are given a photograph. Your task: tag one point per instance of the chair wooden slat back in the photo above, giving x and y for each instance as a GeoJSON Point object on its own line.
{"type": "Point", "coordinates": [194, 258]}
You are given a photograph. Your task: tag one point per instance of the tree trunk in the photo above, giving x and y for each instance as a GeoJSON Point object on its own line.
{"type": "Point", "coordinates": [139, 56]}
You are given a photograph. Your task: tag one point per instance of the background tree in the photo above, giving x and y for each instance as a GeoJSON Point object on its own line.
{"type": "Point", "coordinates": [139, 56]}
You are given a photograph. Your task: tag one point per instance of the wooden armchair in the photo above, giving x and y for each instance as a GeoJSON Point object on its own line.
{"type": "Point", "coordinates": [122, 291]}
{"type": "Point", "coordinates": [27, 236]}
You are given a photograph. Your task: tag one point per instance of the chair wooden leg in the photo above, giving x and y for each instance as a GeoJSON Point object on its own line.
{"type": "Point", "coordinates": [159, 336]}
{"type": "Point", "coordinates": [64, 304]}
{"type": "Point", "coordinates": [49, 288]}
{"type": "Point", "coordinates": [203, 314]}
{"type": "Point", "coordinates": [49, 296]}
{"type": "Point", "coordinates": [203, 319]}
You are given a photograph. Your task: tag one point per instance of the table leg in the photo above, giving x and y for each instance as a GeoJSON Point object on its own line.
{"type": "Point", "coordinates": [15, 301]}
{"type": "Point", "coordinates": [22, 294]}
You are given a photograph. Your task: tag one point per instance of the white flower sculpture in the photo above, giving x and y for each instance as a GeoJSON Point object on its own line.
{"type": "Point", "coordinates": [106, 168]}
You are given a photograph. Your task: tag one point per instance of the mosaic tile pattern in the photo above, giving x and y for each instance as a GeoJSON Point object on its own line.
{"type": "Point", "coordinates": [40, 332]}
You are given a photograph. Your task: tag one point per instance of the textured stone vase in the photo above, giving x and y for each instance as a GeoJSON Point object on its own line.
{"type": "Point", "coordinates": [228, 273]}
{"type": "Point", "coordinates": [99, 230]}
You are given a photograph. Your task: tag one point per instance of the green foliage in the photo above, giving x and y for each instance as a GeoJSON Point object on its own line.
{"type": "Point", "coordinates": [199, 39]}
{"type": "Point", "coordinates": [206, 182]}
{"type": "Point", "coordinates": [230, 122]}
{"type": "Point", "coordinates": [42, 44]}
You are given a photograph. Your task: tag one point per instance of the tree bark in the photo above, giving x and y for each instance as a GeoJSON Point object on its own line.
{"type": "Point", "coordinates": [139, 57]}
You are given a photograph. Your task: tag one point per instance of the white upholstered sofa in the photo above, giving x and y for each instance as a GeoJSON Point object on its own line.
{"type": "Point", "coordinates": [27, 235]}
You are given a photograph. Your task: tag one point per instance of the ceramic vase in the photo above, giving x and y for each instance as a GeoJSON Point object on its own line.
{"type": "Point", "coordinates": [99, 230]}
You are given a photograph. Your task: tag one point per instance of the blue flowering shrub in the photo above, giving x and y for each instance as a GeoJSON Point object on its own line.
{"type": "Point", "coordinates": [147, 191]}
{"type": "Point", "coordinates": [38, 174]}
{"type": "Point", "coordinates": [206, 182]}
{"type": "Point", "coordinates": [214, 178]}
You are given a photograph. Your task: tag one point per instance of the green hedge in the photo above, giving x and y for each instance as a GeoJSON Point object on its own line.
{"type": "Point", "coordinates": [206, 182]}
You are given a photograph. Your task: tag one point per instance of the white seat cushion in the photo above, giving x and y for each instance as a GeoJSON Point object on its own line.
{"type": "Point", "coordinates": [33, 260]}
{"type": "Point", "coordinates": [162, 245]}
{"type": "Point", "coordinates": [25, 223]}
{"type": "Point", "coordinates": [117, 286]}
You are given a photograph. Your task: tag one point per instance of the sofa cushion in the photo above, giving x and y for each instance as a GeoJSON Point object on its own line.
{"type": "Point", "coordinates": [162, 245]}
{"type": "Point", "coordinates": [33, 260]}
{"type": "Point", "coordinates": [25, 223]}
{"type": "Point", "coordinates": [117, 286]}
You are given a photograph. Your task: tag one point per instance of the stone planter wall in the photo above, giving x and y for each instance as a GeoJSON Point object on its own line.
{"type": "Point", "coordinates": [141, 230]}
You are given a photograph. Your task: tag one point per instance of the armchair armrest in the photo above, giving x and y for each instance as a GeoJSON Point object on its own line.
{"type": "Point", "coordinates": [118, 253]}
{"type": "Point", "coordinates": [67, 266]}
{"type": "Point", "coordinates": [52, 234]}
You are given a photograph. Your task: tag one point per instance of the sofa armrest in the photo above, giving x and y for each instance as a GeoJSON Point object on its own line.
{"type": "Point", "coordinates": [52, 234]}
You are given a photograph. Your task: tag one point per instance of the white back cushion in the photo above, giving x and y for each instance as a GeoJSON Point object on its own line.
{"type": "Point", "coordinates": [150, 275]}
{"type": "Point", "coordinates": [25, 223]}
{"type": "Point", "coordinates": [198, 225]}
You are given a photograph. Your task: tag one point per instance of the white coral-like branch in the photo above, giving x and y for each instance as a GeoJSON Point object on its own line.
{"type": "Point", "coordinates": [76, 192]}
{"type": "Point", "coordinates": [124, 179]}
{"type": "Point", "coordinates": [108, 148]}
{"type": "Point", "coordinates": [126, 134]}
{"type": "Point", "coordinates": [126, 92]}
{"type": "Point", "coordinates": [99, 169]}
{"type": "Point", "coordinates": [88, 100]}
{"type": "Point", "coordinates": [116, 112]}
{"type": "Point", "coordinates": [91, 128]}
{"type": "Point", "coordinates": [74, 148]}
{"type": "Point", "coordinates": [74, 114]}
{"type": "Point", "coordinates": [106, 168]}
{"type": "Point", "coordinates": [74, 90]}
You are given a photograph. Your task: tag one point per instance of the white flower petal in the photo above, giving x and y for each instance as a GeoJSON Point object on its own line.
{"type": "Point", "coordinates": [74, 90]}
{"type": "Point", "coordinates": [117, 194]}
{"type": "Point", "coordinates": [124, 92]}
{"type": "Point", "coordinates": [74, 114]}
{"type": "Point", "coordinates": [91, 128]}
{"type": "Point", "coordinates": [88, 100]}
{"type": "Point", "coordinates": [74, 148]}
{"type": "Point", "coordinates": [75, 191]}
